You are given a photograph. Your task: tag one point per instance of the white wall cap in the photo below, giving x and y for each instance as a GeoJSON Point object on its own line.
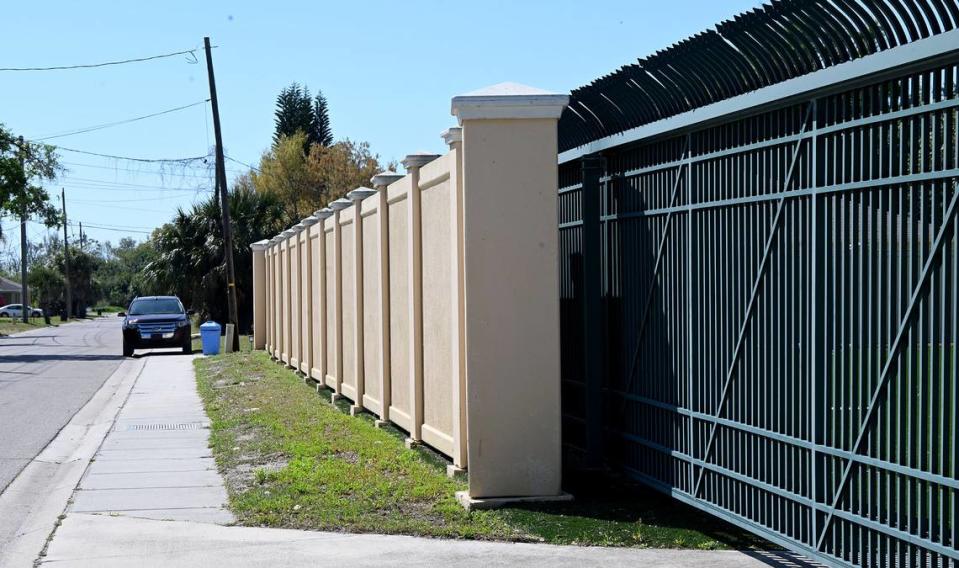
{"type": "Point", "coordinates": [287, 233]}
{"type": "Point", "coordinates": [452, 135]}
{"type": "Point", "coordinates": [418, 159]}
{"type": "Point", "coordinates": [309, 221]}
{"type": "Point", "coordinates": [361, 193]}
{"type": "Point", "coordinates": [298, 227]}
{"type": "Point", "coordinates": [260, 245]}
{"type": "Point", "coordinates": [384, 179]}
{"type": "Point", "coordinates": [508, 100]}
{"type": "Point", "coordinates": [323, 213]}
{"type": "Point", "coordinates": [341, 203]}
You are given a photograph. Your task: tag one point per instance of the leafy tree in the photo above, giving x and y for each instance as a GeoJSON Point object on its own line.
{"type": "Point", "coordinates": [188, 252]}
{"type": "Point", "coordinates": [304, 183]}
{"type": "Point", "coordinates": [47, 287]}
{"type": "Point", "coordinates": [285, 173]}
{"type": "Point", "coordinates": [120, 276]}
{"type": "Point", "coordinates": [20, 166]}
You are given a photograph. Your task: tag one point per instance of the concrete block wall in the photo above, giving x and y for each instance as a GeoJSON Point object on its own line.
{"type": "Point", "coordinates": [431, 299]}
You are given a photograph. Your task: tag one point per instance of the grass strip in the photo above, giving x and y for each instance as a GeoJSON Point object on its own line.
{"type": "Point", "coordinates": [292, 459]}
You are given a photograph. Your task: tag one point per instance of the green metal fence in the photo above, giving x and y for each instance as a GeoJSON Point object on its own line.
{"type": "Point", "coordinates": [760, 312]}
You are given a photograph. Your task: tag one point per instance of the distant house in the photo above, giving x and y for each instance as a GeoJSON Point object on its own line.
{"type": "Point", "coordinates": [9, 291]}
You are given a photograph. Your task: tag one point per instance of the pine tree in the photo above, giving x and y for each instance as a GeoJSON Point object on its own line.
{"type": "Point", "coordinates": [298, 111]}
{"type": "Point", "coordinates": [322, 133]}
{"type": "Point", "coordinates": [294, 113]}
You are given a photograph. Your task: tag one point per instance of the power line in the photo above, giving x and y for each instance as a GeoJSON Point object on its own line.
{"type": "Point", "coordinates": [191, 52]}
{"type": "Point", "coordinates": [111, 185]}
{"type": "Point", "coordinates": [144, 160]}
{"type": "Point", "coordinates": [232, 159]}
{"type": "Point", "coordinates": [120, 122]}
{"type": "Point", "coordinates": [135, 171]}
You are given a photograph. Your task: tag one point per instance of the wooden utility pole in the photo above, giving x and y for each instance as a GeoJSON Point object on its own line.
{"type": "Point", "coordinates": [66, 255]}
{"type": "Point", "coordinates": [81, 236]}
{"type": "Point", "coordinates": [24, 292]}
{"type": "Point", "coordinates": [224, 201]}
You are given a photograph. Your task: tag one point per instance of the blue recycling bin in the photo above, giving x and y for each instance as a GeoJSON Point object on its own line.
{"type": "Point", "coordinates": [210, 337]}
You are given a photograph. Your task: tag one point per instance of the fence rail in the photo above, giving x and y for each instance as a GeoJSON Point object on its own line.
{"type": "Point", "coordinates": [775, 317]}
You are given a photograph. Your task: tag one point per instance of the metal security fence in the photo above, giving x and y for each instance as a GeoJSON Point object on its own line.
{"type": "Point", "coordinates": [760, 314]}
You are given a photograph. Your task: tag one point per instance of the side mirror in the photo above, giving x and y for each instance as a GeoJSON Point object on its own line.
{"type": "Point", "coordinates": [121, 314]}
{"type": "Point", "coordinates": [190, 313]}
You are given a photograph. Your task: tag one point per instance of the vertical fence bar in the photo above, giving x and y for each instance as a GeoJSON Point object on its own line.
{"type": "Point", "coordinates": [593, 167]}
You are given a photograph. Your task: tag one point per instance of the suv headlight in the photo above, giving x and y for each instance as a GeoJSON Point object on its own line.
{"type": "Point", "coordinates": [183, 323]}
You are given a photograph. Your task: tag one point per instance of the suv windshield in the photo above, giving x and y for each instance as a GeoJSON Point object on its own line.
{"type": "Point", "coordinates": [155, 306]}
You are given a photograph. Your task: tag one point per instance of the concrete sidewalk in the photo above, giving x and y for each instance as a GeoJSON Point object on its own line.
{"type": "Point", "coordinates": [97, 541]}
{"type": "Point", "coordinates": [153, 497]}
{"type": "Point", "coordinates": [155, 463]}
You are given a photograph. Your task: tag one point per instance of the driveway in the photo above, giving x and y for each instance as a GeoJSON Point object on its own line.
{"type": "Point", "coordinates": [46, 376]}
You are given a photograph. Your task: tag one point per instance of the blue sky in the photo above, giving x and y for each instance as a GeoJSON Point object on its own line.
{"type": "Point", "coordinates": [388, 70]}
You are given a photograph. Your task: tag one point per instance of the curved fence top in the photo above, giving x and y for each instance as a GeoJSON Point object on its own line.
{"type": "Point", "coordinates": [767, 45]}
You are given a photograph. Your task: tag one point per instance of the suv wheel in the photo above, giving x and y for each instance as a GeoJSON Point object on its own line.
{"type": "Point", "coordinates": [188, 345]}
{"type": "Point", "coordinates": [4, 315]}
{"type": "Point", "coordinates": [127, 349]}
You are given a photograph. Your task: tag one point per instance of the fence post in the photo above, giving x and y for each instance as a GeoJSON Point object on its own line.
{"type": "Point", "coordinates": [338, 353]}
{"type": "Point", "coordinates": [413, 163]}
{"type": "Point", "coordinates": [287, 285]}
{"type": "Point", "coordinates": [381, 182]}
{"type": "Point", "coordinates": [259, 293]}
{"type": "Point", "coordinates": [454, 139]}
{"type": "Point", "coordinates": [359, 367]}
{"type": "Point", "coordinates": [593, 167]}
{"type": "Point", "coordinates": [511, 291]}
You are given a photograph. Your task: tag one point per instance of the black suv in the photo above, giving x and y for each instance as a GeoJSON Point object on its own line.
{"type": "Point", "coordinates": [156, 321]}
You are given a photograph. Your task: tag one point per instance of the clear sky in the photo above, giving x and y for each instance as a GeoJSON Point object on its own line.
{"type": "Point", "coordinates": [388, 70]}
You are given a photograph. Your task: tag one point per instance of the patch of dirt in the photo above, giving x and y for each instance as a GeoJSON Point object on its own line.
{"type": "Point", "coordinates": [242, 476]}
{"type": "Point", "coordinates": [350, 457]}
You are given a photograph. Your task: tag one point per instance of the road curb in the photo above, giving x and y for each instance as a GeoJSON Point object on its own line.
{"type": "Point", "coordinates": [44, 487]}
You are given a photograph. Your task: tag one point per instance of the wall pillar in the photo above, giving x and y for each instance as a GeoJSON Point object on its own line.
{"type": "Point", "coordinates": [511, 292]}
{"type": "Point", "coordinates": [381, 182]}
{"type": "Point", "coordinates": [268, 261]}
{"type": "Point", "coordinates": [413, 163]}
{"type": "Point", "coordinates": [359, 367]}
{"type": "Point", "coordinates": [454, 139]}
{"type": "Point", "coordinates": [320, 365]}
{"type": "Point", "coordinates": [337, 365]}
{"type": "Point", "coordinates": [259, 293]}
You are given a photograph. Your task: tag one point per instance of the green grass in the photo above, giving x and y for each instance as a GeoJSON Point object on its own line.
{"type": "Point", "coordinates": [11, 325]}
{"type": "Point", "coordinates": [292, 459]}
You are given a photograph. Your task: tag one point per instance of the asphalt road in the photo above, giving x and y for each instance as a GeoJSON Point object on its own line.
{"type": "Point", "coordinates": [46, 376]}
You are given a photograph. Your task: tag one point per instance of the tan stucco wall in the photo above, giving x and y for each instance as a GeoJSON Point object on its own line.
{"type": "Point", "coordinates": [437, 305]}
{"type": "Point", "coordinates": [319, 302]}
{"type": "Point", "coordinates": [259, 298]}
{"type": "Point", "coordinates": [371, 314]}
{"type": "Point", "coordinates": [306, 302]}
{"type": "Point", "coordinates": [399, 304]}
{"type": "Point", "coordinates": [330, 313]}
{"type": "Point", "coordinates": [295, 297]}
{"type": "Point", "coordinates": [512, 307]}
{"type": "Point", "coordinates": [347, 280]}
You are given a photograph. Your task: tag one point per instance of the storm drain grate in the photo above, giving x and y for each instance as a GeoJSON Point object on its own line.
{"type": "Point", "coordinates": [175, 426]}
